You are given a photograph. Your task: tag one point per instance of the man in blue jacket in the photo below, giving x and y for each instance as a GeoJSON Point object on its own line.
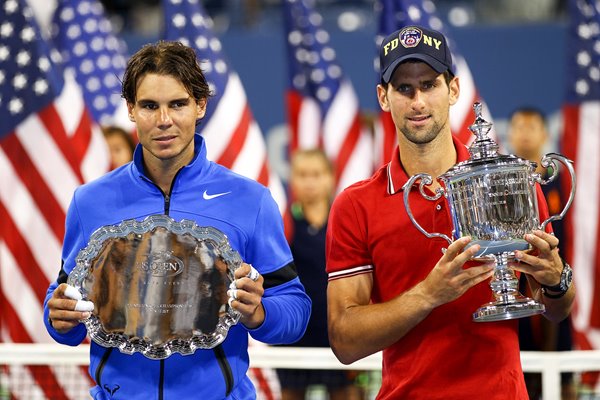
{"type": "Point", "coordinates": [166, 94]}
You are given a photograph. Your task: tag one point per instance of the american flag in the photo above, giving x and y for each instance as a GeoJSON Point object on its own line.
{"type": "Point", "coordinates": [581, 143]}
{"type": "Point", "coordinates": [48, 147]}
{"type": "Point", "coordinates": [233, 138]}
{"type": "Point", "coordinates": [84, 36]}
{"type": "Point", "coordinates": [395, 14]}
{"type": "Point", "coordinates": [323, 108]}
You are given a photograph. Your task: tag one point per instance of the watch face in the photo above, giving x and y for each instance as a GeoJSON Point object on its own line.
{"type": "Point", "coordinates": [566, 278]}
{"type": "Point", "coordinates": [569, 275]}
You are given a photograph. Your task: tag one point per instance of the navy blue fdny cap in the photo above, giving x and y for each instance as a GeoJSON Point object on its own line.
{"type": "Point", "coordinates": [414, 42]}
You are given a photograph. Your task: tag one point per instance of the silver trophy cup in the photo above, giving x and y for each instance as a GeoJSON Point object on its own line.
{"type": "Point", "coordinates": [492, 198]}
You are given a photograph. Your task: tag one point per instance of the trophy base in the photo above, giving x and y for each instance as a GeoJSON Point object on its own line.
{"type": "Point", "coordinates": [500, 311]}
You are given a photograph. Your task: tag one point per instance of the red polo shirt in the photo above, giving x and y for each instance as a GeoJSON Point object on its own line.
{"type": "Point", "coordinates": [447, 355]}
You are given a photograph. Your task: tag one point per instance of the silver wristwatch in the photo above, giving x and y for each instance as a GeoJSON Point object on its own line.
{"type": "Point", "coordinates": [559, 290]}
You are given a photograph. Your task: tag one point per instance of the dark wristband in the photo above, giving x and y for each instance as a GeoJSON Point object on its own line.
{"type": "Point", "coordinates": [553, 296]}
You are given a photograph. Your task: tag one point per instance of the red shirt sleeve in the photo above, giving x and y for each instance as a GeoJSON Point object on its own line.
{"type": "Point", "coordinates": [347, 242]}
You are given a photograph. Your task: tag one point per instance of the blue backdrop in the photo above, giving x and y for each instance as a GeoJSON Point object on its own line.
{"type": "Point", "coordinates": [512, 65]}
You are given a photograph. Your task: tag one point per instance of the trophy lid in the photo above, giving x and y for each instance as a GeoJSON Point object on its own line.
{"type": "Point", "coordinates": [483, 146]}
{"type": "Point", "coordinates": [484, 151]}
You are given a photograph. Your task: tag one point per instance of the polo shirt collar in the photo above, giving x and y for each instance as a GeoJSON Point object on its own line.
{"type": "Point", "coordinates": [397, 177]}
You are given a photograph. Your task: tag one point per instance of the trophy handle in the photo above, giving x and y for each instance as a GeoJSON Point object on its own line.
{"type": "Point", "coordinates": [550, 160]}
{"type": "Point", "coordinates": [425, 180]}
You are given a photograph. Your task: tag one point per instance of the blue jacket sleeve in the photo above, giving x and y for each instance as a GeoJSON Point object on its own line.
{"type": "Point", "coordinates": [287, 306]}
{"type": "Point", "coordinates": [73, 242]}
{"type": "Point", "coordinates": [287, 311]}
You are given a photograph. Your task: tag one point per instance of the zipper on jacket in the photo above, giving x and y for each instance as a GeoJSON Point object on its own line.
{"type": "Point", "coordinates": [161, 380]}
{"type": "Point", "coordinates": [101, 365]}
{"type": "Point", "coordinates": [167, 203]}
{"type": "Point", "coordinates": [225, 368]}
{"type": "Point", "coordinates": [167, 196]}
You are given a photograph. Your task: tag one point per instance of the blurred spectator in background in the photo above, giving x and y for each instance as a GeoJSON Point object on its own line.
{"type": "Point", "coordinates": [312, 186]}
{"type": "Point", "coordinates": [528, 135]}
{"type": "Point", "coordinates": [120, 144]}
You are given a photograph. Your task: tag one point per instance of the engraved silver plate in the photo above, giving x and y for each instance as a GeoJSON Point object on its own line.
{"type": "Point", "coordinates": [158, 286]}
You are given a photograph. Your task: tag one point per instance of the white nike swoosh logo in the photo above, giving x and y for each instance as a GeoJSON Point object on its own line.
{"type": "Point", "coordinates": [207, 196]}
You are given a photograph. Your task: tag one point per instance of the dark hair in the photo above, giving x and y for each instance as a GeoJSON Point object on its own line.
{"type": "Point", "coordinates": [313, 152]}
{"type": "Point", "coordinates": [530, 110]}
{"type": "Point", "coordinates": [113, 130]}
{"type": "Point", "coordinates": [165, 58]}
{"type": "Point", "coordinates": [448, 76]}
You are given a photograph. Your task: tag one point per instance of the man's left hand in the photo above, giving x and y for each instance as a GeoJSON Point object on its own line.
{"type": "Point", "coordinates": [245, 295]}
{"type": "Point", "coordinates": [543, 262]}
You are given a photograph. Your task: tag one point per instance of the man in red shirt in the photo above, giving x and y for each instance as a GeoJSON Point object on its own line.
{"type": "Point", "coordinates": [390, 288]}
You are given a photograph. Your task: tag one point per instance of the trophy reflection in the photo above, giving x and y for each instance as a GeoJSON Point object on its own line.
{"type": "Point", "coordinates": [492, 198]}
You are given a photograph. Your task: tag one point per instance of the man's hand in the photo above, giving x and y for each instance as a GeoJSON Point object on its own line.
{"type": "Point", "coordinates": [67, 309]}
{"type": "Point", "coordinates": [448, 280]}
{"type": "Point", "coordinates": [245, 295]}
{"type": "Point", "coordinates": [543, 263]}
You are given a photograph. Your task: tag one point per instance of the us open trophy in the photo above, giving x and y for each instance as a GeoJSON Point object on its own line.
{"type": "Point", "coordinates": [492, 198]}
{"type": "Point", "coordinates": [158, 286]}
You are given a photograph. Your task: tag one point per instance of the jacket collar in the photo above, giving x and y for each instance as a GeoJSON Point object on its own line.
{"type": "Point", "coordinates": [199, 155]}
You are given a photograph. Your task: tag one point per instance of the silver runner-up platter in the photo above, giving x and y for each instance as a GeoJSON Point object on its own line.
{"type": "Point", "coordinates": [492, 198]}
{"type": "Point", "coordinates": [158, 286]}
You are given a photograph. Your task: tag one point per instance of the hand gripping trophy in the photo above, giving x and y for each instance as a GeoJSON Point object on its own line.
{"type": "Point", "coordinates": [492, 198]}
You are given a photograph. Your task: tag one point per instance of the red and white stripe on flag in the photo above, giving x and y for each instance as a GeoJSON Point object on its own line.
{"type": "Point", "coordinates": [41, 170]}
{"type": "Point", "coordinates": [48, 147]}
{"type": "Point", "coordinates": [323, 108]}
{"type": "Point", "coordinates": [342, 136]}
{"type": "Point", "coordinates": [581, 143]}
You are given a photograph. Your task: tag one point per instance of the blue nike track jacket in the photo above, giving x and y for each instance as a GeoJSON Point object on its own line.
{"type": "Point", "coordinates": [248, 215]}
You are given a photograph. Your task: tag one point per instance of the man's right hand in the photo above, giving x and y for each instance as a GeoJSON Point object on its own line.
{"type": "Point", "coordinates": [67, 309]}
{"type": "Point", "coordinates": [448, 280]}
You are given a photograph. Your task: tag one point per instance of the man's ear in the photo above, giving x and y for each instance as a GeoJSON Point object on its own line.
{"type": "Point", "coordinates": [454, 87]}
{"type": "Point", "coordinates": [130, 112]}
{"type": "Point", "coordinates": [201, 108]}
{"type": "Point", "coordinates": [382, 98]}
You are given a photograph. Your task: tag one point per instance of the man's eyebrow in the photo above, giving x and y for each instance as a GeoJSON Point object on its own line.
{"type": "Point", "coordinates": [146, 101]}
{"type": "Point", "coordinates": [150, 101]}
